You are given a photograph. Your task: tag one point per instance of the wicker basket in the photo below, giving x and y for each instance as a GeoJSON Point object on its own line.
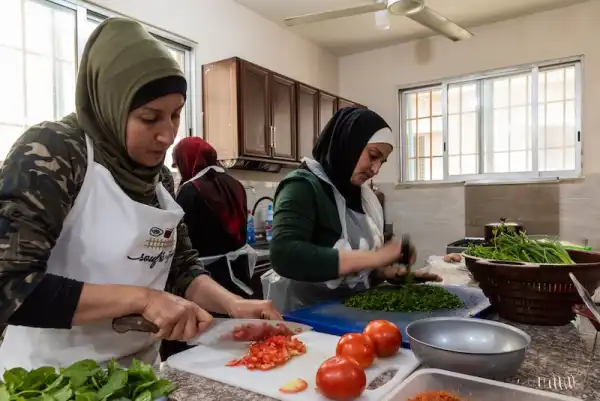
{"type": "Point", "coordinates": [535, 294]}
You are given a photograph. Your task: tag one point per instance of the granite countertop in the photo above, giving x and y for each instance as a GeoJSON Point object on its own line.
{"type": "Point", "coordinates": [557, 361]}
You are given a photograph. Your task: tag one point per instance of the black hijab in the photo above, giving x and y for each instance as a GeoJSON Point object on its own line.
{"type": "Point", "coordinates": [340, 145]}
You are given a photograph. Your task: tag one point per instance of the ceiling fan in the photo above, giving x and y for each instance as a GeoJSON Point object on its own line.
{"type": "Point", "coordinates": [416, 10]}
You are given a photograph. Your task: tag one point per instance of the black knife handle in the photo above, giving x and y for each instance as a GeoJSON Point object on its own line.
{"type": "Point", "coordinates": [406, 250]}
{"type": "Point", "coordinates": [133, 323]}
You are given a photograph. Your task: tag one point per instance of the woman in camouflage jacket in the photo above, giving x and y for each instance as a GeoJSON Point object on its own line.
{"type": "Point", "coordinates": [89, 230]}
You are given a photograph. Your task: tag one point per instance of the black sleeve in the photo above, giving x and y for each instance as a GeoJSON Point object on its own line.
{"type": "Point", "coordinates": [51, 305]}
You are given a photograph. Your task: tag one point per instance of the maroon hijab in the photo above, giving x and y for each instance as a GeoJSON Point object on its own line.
{"type": "Point", "coordinates": [223, 195]}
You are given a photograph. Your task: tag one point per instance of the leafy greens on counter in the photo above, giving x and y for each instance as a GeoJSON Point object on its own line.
{"type": "Point", "coordinates": [85, 381]}
{"type": "Point", "coordinates": [410, 298]}
{"type": "Point", "coordinates": [511, 246]}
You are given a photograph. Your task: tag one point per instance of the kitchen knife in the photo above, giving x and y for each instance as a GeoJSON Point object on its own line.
{"type": "Point", "coordinates": [586, 297]}
{"type": "Point", "coordinates": [225, 332]}
{"type": "Point", "coordinates": [221, 331]}
{"type": "Point", "coordinates": [133, 323]}
{"type": "Point", "coordinates": [407, 253]}
{"type": "Point", "coordinates": [406, 260]}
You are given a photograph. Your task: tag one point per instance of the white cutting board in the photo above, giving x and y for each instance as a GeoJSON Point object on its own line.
{"type": "Point", "coordinates": [210, 363]}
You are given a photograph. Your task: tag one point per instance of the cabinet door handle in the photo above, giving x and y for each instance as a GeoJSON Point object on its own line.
{"type": "Point", "coordinates": [274, 137]}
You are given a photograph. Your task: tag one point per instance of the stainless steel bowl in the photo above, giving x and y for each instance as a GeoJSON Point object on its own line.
{"type": "Point", "coordinates": [474, 347]}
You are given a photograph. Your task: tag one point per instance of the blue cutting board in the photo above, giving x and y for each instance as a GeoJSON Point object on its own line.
{"type": "Point", "coordinates": [333, 317]}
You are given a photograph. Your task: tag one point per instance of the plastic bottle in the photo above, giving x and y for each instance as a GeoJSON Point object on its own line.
{"type": "Point", "coordinates": [251, 235]}
{"type": "Point", "coordinates": [269, 223]}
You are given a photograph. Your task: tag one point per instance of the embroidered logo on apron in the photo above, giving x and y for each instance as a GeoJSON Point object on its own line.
{"type": "Point", "coordinates": [160, 239]}
{"type": "Point", "coordinates": [152, 260]}
{"type": "Point", "coordinates": [156, 231]}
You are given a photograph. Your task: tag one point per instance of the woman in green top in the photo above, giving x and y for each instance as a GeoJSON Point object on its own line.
{"type": "Point", "coordinates": [328, 224]}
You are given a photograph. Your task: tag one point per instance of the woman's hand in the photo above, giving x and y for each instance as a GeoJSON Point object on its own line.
{"type": "Point", "coordinates": [395, 273]}
{"type": "Point", "coordinates": [253, 309]}
{"type": "Point", "coordinates": [391, 253]}
{"type": "Point", "coordinates": [388, 255]}
{"type": "Point", "coordinates": [176, 318]}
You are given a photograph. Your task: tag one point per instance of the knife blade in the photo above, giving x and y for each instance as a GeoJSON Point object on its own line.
{"type": "Point", "coordinates": [226, 332]}
{"type": "Point", "coordinates": [222, 332]}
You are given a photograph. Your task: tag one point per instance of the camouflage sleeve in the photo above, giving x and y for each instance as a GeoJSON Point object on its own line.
{"type": "Point", "coordinates": [39, 180]}
{"type": "Point", "coordinates": [186, 265]}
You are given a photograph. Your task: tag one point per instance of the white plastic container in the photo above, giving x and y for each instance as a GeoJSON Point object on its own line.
{"type": "Point", "coordinates": [468, 388]}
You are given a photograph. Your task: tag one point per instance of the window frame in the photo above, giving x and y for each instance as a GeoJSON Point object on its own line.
{"type": "Point", "coordinates": [478, 79]}
{"type": "Point", "coordinates": [86, 11]}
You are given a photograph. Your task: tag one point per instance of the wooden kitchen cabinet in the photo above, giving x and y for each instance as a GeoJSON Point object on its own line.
{"type": "Point", "coordinates": [347, 103]}
{"type": "Point", "coordinates": [254, 114]}
{"type": "Point", "coordinates": [308, 119]}
{"type": "Point", "coordinates": [249, 111]}
{"type": "Point", "coordinates": [283, 117]}
{"type": "Point", "coordinates": [327, 108]}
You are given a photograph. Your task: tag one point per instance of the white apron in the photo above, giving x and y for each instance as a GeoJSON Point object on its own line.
{"type": "Point", "coordinates": [278, 289]}
{"type": "Point", "coordinates": [107, 238]}
{"type": "Point", "coordinates": [233, 255]}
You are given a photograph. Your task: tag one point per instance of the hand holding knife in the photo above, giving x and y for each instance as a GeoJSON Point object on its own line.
{"type": "Point", "coordinates": [223, 332]}
{"type": "Point", "coordinates": [133, 323]}
{"type": "Point", "coordinates": [407, 259]}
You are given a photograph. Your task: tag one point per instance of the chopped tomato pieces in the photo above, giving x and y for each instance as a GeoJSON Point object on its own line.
{"type": "Point", "coordinates": [435, 396]}
{"type": "Point", "coordinates": [258, 332]}
{"type": "Point", "coordinates": [294, 386]}
{"type": "Point", "coordinates": [270, 353]}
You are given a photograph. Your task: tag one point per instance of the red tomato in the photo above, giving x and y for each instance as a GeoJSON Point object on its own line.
{"type": "Point", "coordinates": [341, 379]}
{"type": "Point", "coordinates": [358, 347]}
{"type": "Point", "coordinates": [385, 336]}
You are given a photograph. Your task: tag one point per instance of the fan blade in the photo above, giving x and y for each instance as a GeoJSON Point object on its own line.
{"type": "Point", "coordinates": [382, 20]}
{"type": "Point", "coordinates": [440, 24]}
{"type": "Point", "coordinates": [328, 15]}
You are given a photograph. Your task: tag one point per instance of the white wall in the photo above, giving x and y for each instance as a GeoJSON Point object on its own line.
{"type": "Point", "coordinates": [373, 77]}
{"type": "Point", "coordinates": [223, 28]}
{"type": "Point", "coordinates": [435, 214]}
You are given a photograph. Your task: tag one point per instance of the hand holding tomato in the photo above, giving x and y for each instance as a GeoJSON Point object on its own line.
{"type": "Point", "coordinates": [357, 347]}
{"type": "Point", "coordinates": [341, 379]}
{"type": "Point", "coordinates": [385, 336]}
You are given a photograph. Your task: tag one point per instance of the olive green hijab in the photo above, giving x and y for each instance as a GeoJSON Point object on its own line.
{"type": "Point", "coordinates": [120, 57]}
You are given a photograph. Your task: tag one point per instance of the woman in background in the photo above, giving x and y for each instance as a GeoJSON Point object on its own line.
{"type": "Point", "coordinates": [328, 224]}
{"type": "Point", "coordinates": [216, 215]}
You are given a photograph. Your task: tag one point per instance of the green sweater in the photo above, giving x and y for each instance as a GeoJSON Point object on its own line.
{"type": "Point", "coordinates": [306, 225]}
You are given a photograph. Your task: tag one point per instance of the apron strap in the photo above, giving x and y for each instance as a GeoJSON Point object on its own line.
{"type": "Point", "coordinates": [89, 144]}
{"type": "Point", "coordinates": [200, 174]}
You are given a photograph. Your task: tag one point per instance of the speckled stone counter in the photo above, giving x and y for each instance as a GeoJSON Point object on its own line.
{"type": "Point", "coordinates": [557, 361]}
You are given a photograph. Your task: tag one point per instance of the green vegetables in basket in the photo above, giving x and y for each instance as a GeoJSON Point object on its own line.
{"type": "Point", "coordinates": [511, 246]}
{"type": "Point", "coordinates": [84, 381]}
{"type": "Point", "coordinates": [414, 298]}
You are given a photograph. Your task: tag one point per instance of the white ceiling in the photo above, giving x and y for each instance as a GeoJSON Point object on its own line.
{"type": "Point", "coordinates": [359, 33]}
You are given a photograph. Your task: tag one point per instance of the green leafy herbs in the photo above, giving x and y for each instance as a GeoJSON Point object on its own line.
{"type": "Point", "coordinates": [511, 246]}
{"type": "Point", "coordinates": [414, 298]}
{"type": "Point", "coordinates": [85, 381]}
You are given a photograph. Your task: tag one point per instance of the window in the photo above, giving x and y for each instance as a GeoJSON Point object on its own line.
{"type": "Point", "coordinates": [37, 65]}
{"type": "Point", "coordinates": [40, 48]}
{"type": "Point", "coordinates": [504, 125]}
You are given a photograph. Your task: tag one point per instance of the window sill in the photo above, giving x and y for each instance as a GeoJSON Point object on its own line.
{"type": "Point", "coordinates": [522, 181]}
{"type": "Point", "coordinates": [429, 184]}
